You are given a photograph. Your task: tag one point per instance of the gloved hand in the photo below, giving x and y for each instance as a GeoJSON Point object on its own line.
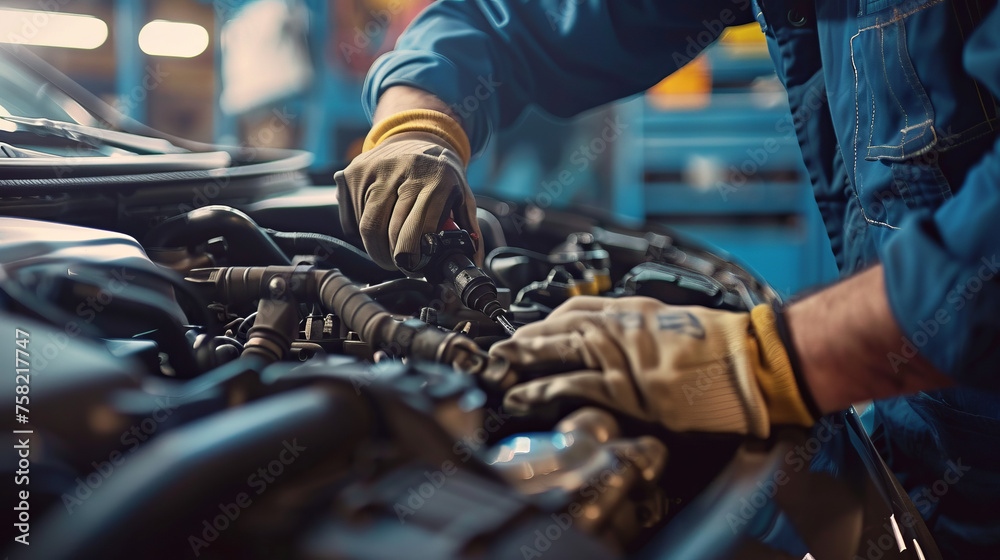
{"type": "Point", "coordinates": [689, 368]}
{"type": "Point", "coordinates": [408, 180]}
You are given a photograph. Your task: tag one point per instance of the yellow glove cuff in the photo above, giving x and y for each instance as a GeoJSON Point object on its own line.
{"type": "Point", "coordinates": [421, 120]}
{"type": "Point", "coordinates": [774, 371]}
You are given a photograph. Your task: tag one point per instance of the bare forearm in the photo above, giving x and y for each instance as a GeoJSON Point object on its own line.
{"type": "Point", "coordinates": [402, 98]}
{"type": "Point", "coordinates": [850, 348]}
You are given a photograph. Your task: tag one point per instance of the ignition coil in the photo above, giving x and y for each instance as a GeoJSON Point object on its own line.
{"type": "Point", "coordinates": [446, 256]}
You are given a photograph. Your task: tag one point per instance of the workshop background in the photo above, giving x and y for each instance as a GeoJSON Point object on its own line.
{"type": "Point", "coordinates": [710, 151]}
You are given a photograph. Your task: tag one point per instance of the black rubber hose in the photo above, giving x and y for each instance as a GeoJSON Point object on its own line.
{"type": "Point", "coordinates": [359, 311]}
{"type": "Point", "coordinates": [515, 251]}
{"type": "Point", "coordinates": [375, 324]}
{"type": "Point", "coordinates": [336, 252]}
{"type": "Point", "coordinates": [330, 288]}
{"type": "Point", "coordinates": [249, 245]}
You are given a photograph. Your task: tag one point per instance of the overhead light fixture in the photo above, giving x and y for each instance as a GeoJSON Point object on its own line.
{"type": "Point", "coordinates": [170, 38]}
{"type": "Point", "coordinates": [52, 29]}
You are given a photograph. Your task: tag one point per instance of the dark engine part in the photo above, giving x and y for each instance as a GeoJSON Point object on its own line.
{"type": "Point", "coordinates": [329, 252]}
{"type": "Point", "coordinates": [338, 295]}
{"type": "Point", "coordinates": [253, 247]}
{"type": "Point", "coordinates": [622, 492]}
{"type": "Point", "coordinates": [591, 486]}
{"type": "Point", "coordinates": [538, 240]}
{"type": "Point", "coordinates": [667, 282]}
{"type": "Point", "coordinates": [99, 284]}
{"type": "Point", "coordinates": [203, 236]}
{"type": "Point", "coordinates": [446, 256]}
{"type": "Point", "coordinates": [203, 458]}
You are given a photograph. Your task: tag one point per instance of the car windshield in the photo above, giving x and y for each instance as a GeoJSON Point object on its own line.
{"type": "Point", "coordinates": [22, 93]}
{"type": "Point", "coordinates": [39, 120]}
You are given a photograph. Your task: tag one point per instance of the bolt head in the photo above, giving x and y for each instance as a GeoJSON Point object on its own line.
{"type": "Point", "coordinates": [277, 286]}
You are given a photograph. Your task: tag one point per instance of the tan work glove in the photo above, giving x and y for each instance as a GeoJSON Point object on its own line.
{"type": "Point", "coordinates": [408, 180]}
{"type": "Point", "coordinates": [688, 368]}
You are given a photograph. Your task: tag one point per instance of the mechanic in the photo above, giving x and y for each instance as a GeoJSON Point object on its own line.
{"type": "Point", "coordinates": [894, 106]}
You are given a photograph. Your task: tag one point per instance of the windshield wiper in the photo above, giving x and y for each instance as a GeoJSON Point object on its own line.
{"type": "Point", "coordinates": [94, 136]}
{"type": "Point", "coordinates": [11, 151]}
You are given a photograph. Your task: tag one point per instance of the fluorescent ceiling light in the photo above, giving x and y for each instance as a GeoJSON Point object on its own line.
{"type": "Point", "coordinates": [170, 38]}
{"type": "Point", "coordinates": [52, 29]}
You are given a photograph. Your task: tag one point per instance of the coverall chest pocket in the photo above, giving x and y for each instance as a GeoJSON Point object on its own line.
{"type": "Point", "coordinates": [913, 97]}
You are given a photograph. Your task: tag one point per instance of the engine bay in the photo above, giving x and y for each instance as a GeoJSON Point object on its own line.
{"type": "Point", "coordinates": [214, 316]}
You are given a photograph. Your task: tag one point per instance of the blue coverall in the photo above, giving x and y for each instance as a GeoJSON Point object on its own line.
{"type": "Point", "coordinates": [894, 103]}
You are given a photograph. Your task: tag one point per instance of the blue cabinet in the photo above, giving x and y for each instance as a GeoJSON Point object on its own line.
{"type": "Point", "coordinates": [727, 171]}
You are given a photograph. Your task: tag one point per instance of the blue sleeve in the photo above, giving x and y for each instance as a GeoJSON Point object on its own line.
{"type": "Point", "coordinates": [489, 59]}
{"type": "Point", "coordinates": [943, 270]}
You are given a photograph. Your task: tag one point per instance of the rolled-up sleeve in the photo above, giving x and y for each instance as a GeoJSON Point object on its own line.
{"type": "Point", "coordinates": [943, 269]}
{"type": "Point", "coordinates": [489, 59]}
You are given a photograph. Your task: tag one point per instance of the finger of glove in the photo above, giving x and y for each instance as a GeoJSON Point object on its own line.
{"type": "Point", "coordinates": [560, 352]}
{"type": "Point", "coordinates": [642, 342]}
{"type": "Point", "coordinates": [581, 303]}
{"type": "Point", "coordinates": [560, 394]}
{"type": "Point", "coordinates": [609, 306]}
{"type": "Point", "coordinates": [569, 320]}
{"type": "Point", "coordinates": [576, 339]}
{"type": "Point", "coordinates": [598, 351]}
{"type": "Point", "coordinates": [575, 388]}
{"type": "Point", "coordinates": [403, 212]}
{"type": "Point", "coordinates": [346, 211]}
{"type": "Point", "coordinates": [354, 182]}
{"type": "Point", "coordinates": [432, 195]}
{"type": "Point", "coordinates": [569, 391]}
{"type": "Point", "coordinates": [379, 203]}
{"type": "Point", "coordinates": [578, 343]}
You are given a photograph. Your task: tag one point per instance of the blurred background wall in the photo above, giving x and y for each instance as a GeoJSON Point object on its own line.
{"type": "Point", "coordinates": [709, 151]}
